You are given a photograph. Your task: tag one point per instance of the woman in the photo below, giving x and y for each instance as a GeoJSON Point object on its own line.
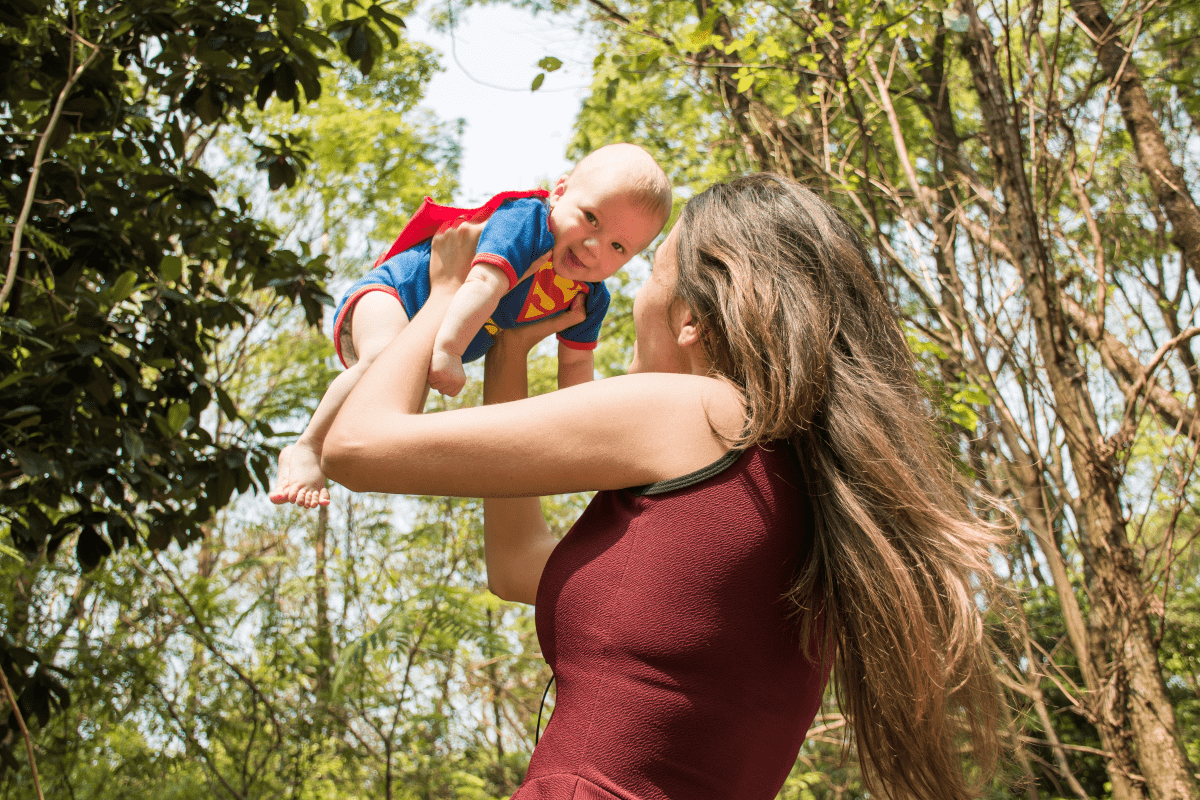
{"type": "Point", "coordinates": [793, 513]}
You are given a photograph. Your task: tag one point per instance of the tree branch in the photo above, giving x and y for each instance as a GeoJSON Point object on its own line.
{"type": "Point", "coordinates": [24, 732]}
{"type": "Point", "coordinates": [38, 157]}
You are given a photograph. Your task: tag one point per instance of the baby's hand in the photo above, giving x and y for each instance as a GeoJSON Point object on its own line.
{"type": "Point", "coordinates": [446, 373]}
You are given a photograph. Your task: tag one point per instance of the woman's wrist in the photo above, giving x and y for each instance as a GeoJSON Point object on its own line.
{"type": "Point", "coordinates": [506, 372]}
{"type": "Point", "coordinates": [514, 344]}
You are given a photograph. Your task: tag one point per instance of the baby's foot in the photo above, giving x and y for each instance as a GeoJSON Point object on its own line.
{"type": "Point", "coordinates": [446, 373]}
{"type": "Point", "coordinates": [300, 479]}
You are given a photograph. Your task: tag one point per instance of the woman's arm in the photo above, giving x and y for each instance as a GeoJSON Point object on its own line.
{"type": "Point", "coordinates": [575, 366]}
{"type": "Point", "coordinates": [607, 434]}
{"type": "Point", "coordinates": [516, 539]}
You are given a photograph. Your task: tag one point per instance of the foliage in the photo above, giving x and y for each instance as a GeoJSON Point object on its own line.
{"type": "Point", "coordinates": [128, 268]}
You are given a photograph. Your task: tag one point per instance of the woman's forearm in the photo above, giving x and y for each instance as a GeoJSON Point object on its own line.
{"type": "Point", "coordinates": [517, 540]}
{"type": "Point", "coordinates": [506, 372]}
{"type": "Point", "coordinates": [393, 388]}
{"type": "Point", "coordinates": [395, 383]}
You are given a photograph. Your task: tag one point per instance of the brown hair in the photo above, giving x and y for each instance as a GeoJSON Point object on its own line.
{"type": "Point", "coordinates": [792, 311]}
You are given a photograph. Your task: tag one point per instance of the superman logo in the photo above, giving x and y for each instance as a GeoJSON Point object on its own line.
{"type": "Point", "coordinates": [549, 293]}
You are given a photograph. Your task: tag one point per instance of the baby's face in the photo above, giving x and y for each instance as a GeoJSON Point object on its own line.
{"type": "Point", "coordinates": [597, 227]}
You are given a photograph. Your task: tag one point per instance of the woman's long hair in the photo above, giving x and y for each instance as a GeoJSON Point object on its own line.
{"type": "Point", "coordinates": [792, 312]}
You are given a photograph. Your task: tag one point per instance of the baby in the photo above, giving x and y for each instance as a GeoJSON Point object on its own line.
{"type": "Point", "coordinates": [536, 253]}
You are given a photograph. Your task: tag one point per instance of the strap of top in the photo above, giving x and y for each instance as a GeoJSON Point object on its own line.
{"type": "Point", "coordinates": [692, 478]}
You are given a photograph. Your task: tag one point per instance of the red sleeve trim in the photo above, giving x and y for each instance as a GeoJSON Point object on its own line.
{"type": "Point", "coordinates": [348, 307]}
{"type": "Point", "coordinates": [501, 263]}
{"type": "Point", "coordinates": [577, 345]}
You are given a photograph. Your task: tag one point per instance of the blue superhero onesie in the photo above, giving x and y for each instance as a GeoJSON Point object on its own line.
{"type": "Point", "coordinates": [515, 239]}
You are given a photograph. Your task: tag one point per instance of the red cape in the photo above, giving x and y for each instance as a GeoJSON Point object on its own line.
{"type": "Point", "coordinates": [431, 218]}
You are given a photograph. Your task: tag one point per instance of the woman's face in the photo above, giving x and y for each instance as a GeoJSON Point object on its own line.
{"type": "Point", "coordinates": [656, 319]}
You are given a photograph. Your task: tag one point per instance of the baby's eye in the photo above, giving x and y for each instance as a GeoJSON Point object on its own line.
{"type": "Point", "coordinates": [590, 217]}
{"type": "Point", "coordinates": [618, 247]}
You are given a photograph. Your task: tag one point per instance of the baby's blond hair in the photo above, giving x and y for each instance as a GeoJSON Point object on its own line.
{"type": "Point", "coordinates": [638, 172]}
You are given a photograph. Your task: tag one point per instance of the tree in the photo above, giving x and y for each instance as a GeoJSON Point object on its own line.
{"type": "Point", "coordinates": [124, 269]}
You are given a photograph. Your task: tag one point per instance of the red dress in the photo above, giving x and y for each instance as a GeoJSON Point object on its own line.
{"type": "Point", "coordinates": [679, 674]}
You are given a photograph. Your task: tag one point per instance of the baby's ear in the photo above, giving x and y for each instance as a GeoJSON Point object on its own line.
{"type": "Point", "coordinates": [560, 186]}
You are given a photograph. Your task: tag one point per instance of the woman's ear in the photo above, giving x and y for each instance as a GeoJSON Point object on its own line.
{"type": "Point", "coordinates": [689, 330]}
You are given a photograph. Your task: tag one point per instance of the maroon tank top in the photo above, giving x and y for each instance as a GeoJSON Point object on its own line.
{"type": "Point", "coordinates": [680, 675]}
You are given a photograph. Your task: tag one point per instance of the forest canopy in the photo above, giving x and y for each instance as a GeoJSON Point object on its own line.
{"type": "Point", "coordinates": [181, 181]}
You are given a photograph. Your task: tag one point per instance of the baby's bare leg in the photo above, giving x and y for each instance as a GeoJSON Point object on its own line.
{"type": "Point", "coordinates": [376, 319]}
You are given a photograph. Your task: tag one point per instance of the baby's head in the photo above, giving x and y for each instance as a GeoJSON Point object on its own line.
{"type": "Point", "coordinates": [607, 210]}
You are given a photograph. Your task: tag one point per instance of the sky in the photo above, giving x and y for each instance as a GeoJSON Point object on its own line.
{"type": "Point", "coordinates": [514, 138]}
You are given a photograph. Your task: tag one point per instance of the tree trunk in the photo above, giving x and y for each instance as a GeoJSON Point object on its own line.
{"type": "Point", "coordinates": [1166, 178]}
{"type": "Point", "coordinates": [324, 642]}
{"type": "Point", "coordinates": [1134, 716]}
{"type": "Point", "coordinates": [195, 681]}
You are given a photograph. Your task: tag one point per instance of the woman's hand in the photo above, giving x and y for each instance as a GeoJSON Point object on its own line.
{"type": "Point", "coordinates": [452, 251]}
{"type": "Point", "coordinates": [519, 341]}
{"type": "Point", "coordinates": [506, 365]}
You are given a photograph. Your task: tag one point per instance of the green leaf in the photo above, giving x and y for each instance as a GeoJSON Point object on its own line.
{"type": "Point", "coordinates": [374, 45]}
{"type": "Point", "coordinates": [972, 394]}
{"type": "Point", "coordinates": [9, 380]}
{"type": "Point", "coordinates": [610, 91]}
{"type": "Point", "coordinates": [745, 82]}
{"type": "Point", "coordinates": [11, 552]}
{"type": "Point", "coordinates": [537, 81]}
{"type": "Point", "coordinates": [359, 44]}
{"type": "Point", "coordinates": [382, 18]}
{"type": "Point", "coordinates": [90, 548]}
{"type": "Point", "coordinates": [35, 465]}
{"type": "Point", "coordinates": [159, 537]}
{"type": "Point", "coordinates": [123, 287]}
{"type": "Point", "coordinates": [175, 136]}
{"type": "Point", "coordinates": [171, 268]}
{"type": "Point", "coordinates": [964, 415]}
{"type": "Point", "coordinates": [549, 63]}
{"type": "Point", "coordinates": [207, 108]}
{"type": "Point", "coordinates": [177, 416]}
{"type": "Point", "coordinates": [286, 14]}
{"type": "Point", "coordinates": [135, 448]}
{"type": "Point", "coordinates": [226, 403]}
